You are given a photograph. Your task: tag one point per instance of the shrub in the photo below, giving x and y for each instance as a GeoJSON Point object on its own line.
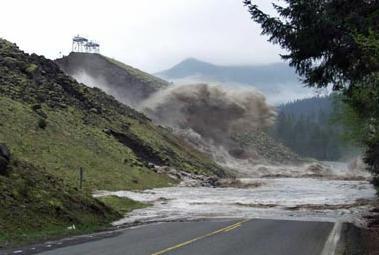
{"type": "Point", "coordinates": [42, 123]}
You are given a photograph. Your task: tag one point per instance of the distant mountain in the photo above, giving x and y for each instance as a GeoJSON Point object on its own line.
{"type": "Point", "coordinates": [272, 73]}
{"type": "Point", "coordinates": [277, 81]}
{"type": "Point", "coordinates": [127, 84]}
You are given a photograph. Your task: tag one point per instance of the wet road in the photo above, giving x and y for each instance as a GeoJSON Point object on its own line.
{"type": "Point", "coordinates": [210, 237]}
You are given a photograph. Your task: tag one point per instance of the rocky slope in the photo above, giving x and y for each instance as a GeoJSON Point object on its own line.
{"type": "Point", "coordinates": [50, 119]}
{"type": "Point", "coordinates": [127, 84]}
{"type": "Point", "coordinates": [263, 147]}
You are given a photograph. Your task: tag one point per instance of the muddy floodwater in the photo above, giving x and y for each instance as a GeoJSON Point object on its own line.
{"type": "Point", "coordinates": [321, 199]}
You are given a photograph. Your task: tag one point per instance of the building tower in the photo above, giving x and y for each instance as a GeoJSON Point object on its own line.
{"type": "Point", "coordinates": [78, 44]}
{"type": "Point", "coordinates": [92, 47]}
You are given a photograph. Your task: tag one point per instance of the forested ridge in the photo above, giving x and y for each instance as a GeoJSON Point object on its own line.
{"type": "Point", "coordinates": [308, 127]}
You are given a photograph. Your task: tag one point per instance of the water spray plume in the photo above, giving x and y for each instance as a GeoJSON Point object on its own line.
{"type": "Point", "coordinates": [214, 112]}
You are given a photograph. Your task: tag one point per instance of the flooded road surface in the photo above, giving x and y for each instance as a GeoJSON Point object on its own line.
{"type": "Point", "coordinates": [313, 199]}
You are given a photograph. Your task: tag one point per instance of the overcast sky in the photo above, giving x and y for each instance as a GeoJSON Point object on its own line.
{"type": "Point", "coordinates": [149, 34]}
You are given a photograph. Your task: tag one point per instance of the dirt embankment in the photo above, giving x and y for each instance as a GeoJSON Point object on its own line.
{"type": "Point", "coordinates": [372, 233]}
{"type": "Point", "coordinates": [361, 240]}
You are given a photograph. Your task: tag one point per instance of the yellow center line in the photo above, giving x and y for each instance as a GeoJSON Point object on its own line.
{"type": "Point", "coordinates": [221, 230]}
{"type": "Point", "coordinates": [231, 228]}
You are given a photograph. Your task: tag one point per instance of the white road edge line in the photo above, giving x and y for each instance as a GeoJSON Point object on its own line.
{"type": "Point", "coordinates": [332, 242]}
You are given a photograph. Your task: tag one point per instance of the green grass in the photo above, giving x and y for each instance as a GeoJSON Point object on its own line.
{"type": "Point", "coordinates": [48, 232]}
{"type": "Point", "coordinates": [123, 205]}
{"type": "Point", "coordinates": [35, 205]}
{"type": "Point", "coordinates": [66, 144]}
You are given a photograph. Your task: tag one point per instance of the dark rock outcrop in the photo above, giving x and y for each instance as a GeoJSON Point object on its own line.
{"type": "Point", "coordinates": [5, 156]}
{"type": "Point", "coordinates": [4, 152]}
{"type": "Point", "coordinates": [143, 151]}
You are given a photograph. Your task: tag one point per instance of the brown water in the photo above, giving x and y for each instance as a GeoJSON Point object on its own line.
{"type": "Point", "coordinates": [321, 199]}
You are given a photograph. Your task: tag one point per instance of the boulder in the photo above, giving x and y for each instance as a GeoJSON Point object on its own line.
{"type": "Point", "coordinates": [3, 165]}
{"type": "Point", "coordinates": [4, 152]}
{"type": "Point", "coordinates": [4, 158]}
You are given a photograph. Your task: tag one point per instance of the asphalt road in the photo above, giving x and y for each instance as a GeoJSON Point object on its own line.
{"type": "Point", "coordinates": [210, 237]}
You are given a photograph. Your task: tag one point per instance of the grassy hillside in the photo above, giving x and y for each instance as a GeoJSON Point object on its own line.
{"type": "Point", "coordinates": [77, 118]}
{"type": "Point", "coordinates": [53, 126]}
{"type": "Point", "coordinates": [35, 205]}
{"type": "Point", "coordinates": [67, 143]}
{"type": "Point", "coordinates": [122, 205]}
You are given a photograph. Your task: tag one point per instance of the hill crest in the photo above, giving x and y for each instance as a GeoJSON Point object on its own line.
{"type": "Point", "coordinates": [128, 84]}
